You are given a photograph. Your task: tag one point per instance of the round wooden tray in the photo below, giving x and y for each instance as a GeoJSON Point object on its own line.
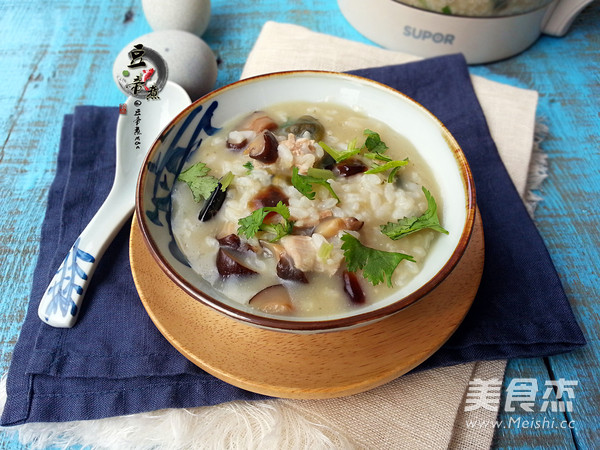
{"type": "Point", "coordinates": [320, 365]}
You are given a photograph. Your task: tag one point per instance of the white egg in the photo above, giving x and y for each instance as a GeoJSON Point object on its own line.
{"type": "Point", "coordinates": [190, 61]}
{"type": "Point", "coordinates": [186, 15]}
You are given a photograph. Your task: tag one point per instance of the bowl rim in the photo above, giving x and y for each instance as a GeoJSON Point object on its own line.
{"type": "Point", "coordinates": [312, 325]}
{"type": "Point", "coordinates": [460, 18]}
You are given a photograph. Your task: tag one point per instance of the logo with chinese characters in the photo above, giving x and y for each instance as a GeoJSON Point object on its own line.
{"type": "Point", "coordinates": [137, 119]}
{"type": "Point", "coordinates": [145, 75]}
{"type": "Point", "coordinates": [521, 395]}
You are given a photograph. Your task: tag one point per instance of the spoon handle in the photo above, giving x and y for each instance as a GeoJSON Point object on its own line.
{"type": "Point", "coordinates": [60, 304]}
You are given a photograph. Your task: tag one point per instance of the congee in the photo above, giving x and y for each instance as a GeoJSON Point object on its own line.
{"type": "Point", "coordinates": [306, 210]}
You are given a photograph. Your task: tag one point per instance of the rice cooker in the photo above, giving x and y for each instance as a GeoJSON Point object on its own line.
{"type": "Point", "coordinates": [483, 30]}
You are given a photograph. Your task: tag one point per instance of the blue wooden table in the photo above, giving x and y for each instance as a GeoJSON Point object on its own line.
{"type": "Point", "coordinates": [56, 55]}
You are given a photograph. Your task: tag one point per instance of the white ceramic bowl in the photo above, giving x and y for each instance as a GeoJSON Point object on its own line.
{"type": "Point", "coordinates": [185, 133]}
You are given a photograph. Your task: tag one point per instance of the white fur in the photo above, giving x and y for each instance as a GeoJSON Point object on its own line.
{"type": "Point", "coordinates": [236, 425]}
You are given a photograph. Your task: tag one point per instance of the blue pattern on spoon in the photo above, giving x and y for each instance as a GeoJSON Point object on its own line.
{"type": "Point", "coordinates": [61, 303]}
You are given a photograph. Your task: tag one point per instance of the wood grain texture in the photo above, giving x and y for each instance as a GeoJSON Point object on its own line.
{"type": "Point", "coordinates": [550, 431]}
{"type": "Point", "coordinates": [56, 55]}
{"type": "Point", "coordinates": [309, 365]}
{"type": "Point", "coordinates": [566, 72]}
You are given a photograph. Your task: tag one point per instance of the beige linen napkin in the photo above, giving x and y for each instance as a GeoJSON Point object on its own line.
{"type": "Point", "coordinates": [418, 411]}
{"type": "Point", "coordinates": [423, 410]}
{"type": "Point", "coordinates": [509, 111]}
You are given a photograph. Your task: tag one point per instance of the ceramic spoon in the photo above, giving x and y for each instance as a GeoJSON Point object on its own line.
{"type": "Point", "coordinates": [62, 300]}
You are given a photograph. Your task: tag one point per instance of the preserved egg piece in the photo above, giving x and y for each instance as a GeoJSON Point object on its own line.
{"type": "Point", "coordinates": [331, 226]}
{"type": "Point", "coordinates": [228, 264]}
{"type": "Point", "coordinates": [349, 167]}
{"type": "Point", "coordinates": [327, 162]}
{"type": "Point", "coordinates": [213, 204]}
{"type": "Point", "coordinates": [268, 196]}
{"type": "Point", "coordinates": [273, 299]}
{"type": "Point", "coordinates": [286, 269]}
{"type": "Point", "coordinates": [352, 288]}
{"type": "Point", "coordinates": [307, 124]}
{"type": "Point", "coordinates": [258, 121]}
{"type": "Point", "coordinates": [263, 148]}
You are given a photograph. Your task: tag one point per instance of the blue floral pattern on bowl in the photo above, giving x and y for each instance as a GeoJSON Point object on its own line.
{"type": "Point", "coordinates": [166, 166]}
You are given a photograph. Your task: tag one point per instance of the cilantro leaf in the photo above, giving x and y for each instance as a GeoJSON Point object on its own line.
{"type": "Point", "coordinates": [408, 225]}
{"type": "Point", "coordinates": [377, 265]}
{"type": "Point", "coordinates": [304, 184]}
{"type": "Point", "coordinates": [374, 143]}
{"type": "Point", "coordinates": [339, 156]}
{"type": "Point", "coordinates": [388, 165]}
{"type": "Point", "coordinates": [378, 156]}
{"type": "Point", "coordinates": [252, 224]}
{"type": "Point", "coordinates": [249, 167]}
{"type": "Point", "coordinates": [278, 229]}
{"type": "Point", "coordinates": [200, 183]}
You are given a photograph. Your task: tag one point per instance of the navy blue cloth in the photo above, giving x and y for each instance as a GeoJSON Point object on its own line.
{"type": "Point", "coordinates": [115, 362]}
